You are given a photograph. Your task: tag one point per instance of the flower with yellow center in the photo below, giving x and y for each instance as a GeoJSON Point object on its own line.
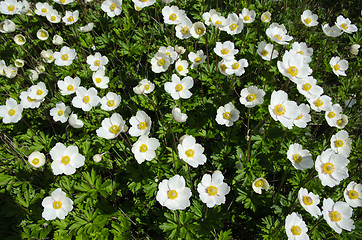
{"type": "Point", "coordinates": [85, 99]}
{"type": "Point", "coordinates": [97, 62]}
{"type": "Point", "coordinates": [259, 184]}
{"type": "Point", "coordinates": [339, 66]}
{"type": "Point", "coordinates": [341, 143]}
{"type": "Point", "coordinates": [112, 7]}
{"type": "Point", "coordinates": [57, 205]}
{"type": "Point", "coordinates": [338, 215]}
{"type": "Point", "coordinates": [321, 103]}
{"type": "Point", "coordinates": [309, 202]}
{"type": "Point", "coordinates": [65, 159]}
{"type": "Point", "coordinates": [225, 50]}
{"type": "Point", "coordinates": [145, 148]}
{"type": "Point", "coordinates": [111, 127]}
{"type": "Point", "coordinates": [197, 30]}
{"type": "Point", "coordinates": [283, 110]}
{"type": "Point", "coordinates": [227, 115]}
{"type": "Point", "coordinates": [182, 67]}
{"type": "Point", "coordinates": [212, 189]}
{"type": "Point", "coordinates": [267, 51]}
{"type": "Point", "coordinates": [173, 15]}
{"type": "Point", "coordinates": [247, 16]}
{"type": "Point", "coordinates": [299, 157]}
{"type": "Point", "coordinates": [295, 227]}
{"type": "Point", "coordinates": [191, 152]}
{"type": "Point", "coordinates": [65, 57]}
{"type": "Point", "coordinates": [345, 25]}
{"type": "Point", "coordinates": [353, 194]}
{"type": "Point", "coordinates": [278, 33]}
{"type": "Point", "coordinates": [251, 96]}
{"type": "Point", "coordinates": [179, 88]}
{"type": "Point", "coordinates": [141, 124]}
{"type": "Point", "coordinates": [36, 159]}
{"type": "Point", "coordinates": [309, 19]}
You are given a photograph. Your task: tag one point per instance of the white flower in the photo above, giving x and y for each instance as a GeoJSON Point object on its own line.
{"type": "Point", "coordinates": [178, 115]}
{"type": "Point", "coordinates": [308, 88]}
{"type": "Point", "coordinates": [112, 7]}
{"type": "Point", "coordinates": [7, 26]}
{"type": "Point", "coordinates": [333, 31]}
{"type": "Point", "coordinates": [278, 33]}
{"type": "Point", "coordinates": [145, 148]}
{"type": "Point", "coordinates": [42, 8]}
{"type": "Point", "coordinates": [341, 143]}
{"type": "Point", "coordinates": [65, 57]}
{"type": "Point", "coordinates": [97, 61]}
{"type": "Point", "coordinates": [304, 117]}
{"type": "Point", "coordinates": [86, 99]}
{"type": "Point", "coordinates": [86, 28]}
{"type": "Point", "coordinates": [191, 152]}
{"type": "Point", "coordinates": [65, 159]}
{"type": "Point", "coordinates": [349, 101]}
{"type": "Point", "coordinates": [10, 7]}
{"type": "Point", "coordinates": [225, 50]}
{"type": "Point", "coordinates": [353, 194]}
{"type": "Point", "coordinates": [294, 67]}
{"type": "Point", "coordinates": [338, 215]}
{"type": "Point", "coordinates": [173, 15]}
{"type": "Point", "coordinates": [295, 227]}
{"type": "Point", "coordinates": [33, 75]}
{"type": "Point", "coordinates": [259, 184]}
{"type": "Point", "coordinates": [173, 193]}
{"type": "Point", "coordinates": [181, 67]}
{"type": "Point", "coordinates": [140, 124]}
{"type": "Point", "coordinates": [339, 66]}
{"type": "Point", "coordinates": [333, 114]}
{"type": "Point", "coordinates": [322, 103]}
{"type": "Point", "coordinates": [57, 205]}
{"type": "Point", "coordinates": [27, 102]}
{"type": "Point", "coordinates": [283, 110]}
{"type": "Point", "coordinates": [60, 112]}
{"type": "Point", "coordinates": [111, 127]}
{"type": "Point", "coordinates": [143, 3]}
{"type": "Point", "coordinates": [36, 159]}
{"type": "Point", "coordinates": [197, 30]}
{"type": "Point", "coordinates": [309, 19]}
{"type": "Point", "coordinates": [38, 91]}
{"type": "Point", "coordinates": [160, 62]}
{"type": "Point", "coordinates": [53, 16]}
{"type": "Point", "coordinates": [309, 202]}
{"type": "Point", "coordinates": [170, 52]}
{"type": "Point", "coordinates": [47, 55]}
{"type": "Point", "coordinates": [144, 87]}
{"type": "Point", "coordinates": [233, 24]}
{"type": "Point", "coordinates": [300, 158]}
{"type": "Point", "coordinates": [206, 16]}
{"type": "Point", "coordinates": [353, 49]}
{"type": "Point", "coordinates": [227, 115]}
{"type": "Point", "coordinates": [265, 51]}
{"type": "Point", "coordinates": [302, 48]}
{"type": "Point", "coordinates": [11, 111]}
{"type": "Point", "coordinates": [19, 63]}
{"type": "Point", "coordinates": [110, 102]}
{"type": "Point", "coordinates": [19, 39]}
{"type": "Point", "coordinates": [345, 25]}
{"type": "Point", "coordinates": [69, 85]}
{"type": "Point", "coordinates": [10, 71]}
{"type": "Point", "coordinates": [331, 167]}
{"type": "Point", "coordinates": [183, 29]}
{"type": "Point", "coordinates": [266, 16]}
{"type": "Point", "coordinates": [251, 96]}
{"type": "Point", "coordinates": [196, 58]}
{"type": "Point", "coordinates": [218, 20]}
{"type": "Point", "coordinates": [236, 67]}
{"type": "Point", "coordinates": [63, 2]}
{"type": "Point", "coordinates": [99, 79]}
{"type": "Point", "coordinates": [247, 16]}
{"type": "Point", "coordinates": [57, 40]}
{"type": "Point", "coordinates": [212, 189]}
{"type": "Point", "coordinates": [179, 88]}
{"type": "Point", "coordinates": [342, 121]}
{"type": "Point", "coordinates": [40, 69]}
{"type": "Point", "coordinates": [74, 121]}
{"type": "Point", "coordinates": [70, 17]}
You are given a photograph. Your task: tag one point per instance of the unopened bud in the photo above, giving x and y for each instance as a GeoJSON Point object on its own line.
{"type": "Point", "coordinates": [97, 157]}
{"type": "Point", "coordinates": [239, 165]}
{"type": "Point", "coordinates": [354, 49]}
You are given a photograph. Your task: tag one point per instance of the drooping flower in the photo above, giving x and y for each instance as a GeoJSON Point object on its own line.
{"type": "Point", "coordinates": [227, 115]}
{"type": "Point", "coordinates": [74, 121]}
{"type": "Point", "coordinates": [110, 102]}
{"type": "Point", "coordinates": [295, 227]}
{"type": "Point", "coordinates": [177, 115]}
{"type": "Point", "coordinates": [345, 25]}
{"type": "Point", "coordinates": [7, 26]}
{"type": "Point", "coordinates": [57, 40]}
{"type": "Point", "coordinates": [140, 124]}
{"type": "Point", "coordinates": [57, 205]}
{"type": "Point", "coordinates": [339, 66]}
{"type": "Point", "coordinates": [353, 194]}
{"type": "Point", "coordinates": [111, 127]}
{"type": "Point", "coordinates": [191, 152]}
{"type": "Point", "coordinates": [69, 85]}
{"type": "Point", "coordinates": [354, 48]}
{"type": "Point", "coordinates": [65, 57]}
{"type": "Point", "coordinates": [251, 96]}
{"type": "Point", "coordinates": [309, 19]}
{"type": "Point", "coordinates": [267, 51]}
{"type": "Point", "coordinates": [341, 143]}
{"type": "Point", "coordinates": [36, 159]}
{"type": "Point", "coordinates": [300, 158]}
{"type": "Point", "coordinates": [309, 202]}
{"type": "Point", "coordinates": [65, 159]}
{"type": "Point", "coordinates": [333, 31]}
{"type": "Point", "coordinates": [259, 184]}
{"type": "Point", "coordinates": [60, 112]}
{"type": "Point", "coordinates": [338, 215]}
{"type": "Point", "coordinates": [86, 28]}
{"type": "Point", "coordinates": [145, 148]}
{"type": "Point", "coordinates": [11, 111]}
{"type": "Point", "coordinates": [278, 34]}
{"type": "Point", "coordinates": [212, 189]}
{"type": "Point", "coordinates": [86, 99]}
{"type": "Point", "coordinates": [179, 88]}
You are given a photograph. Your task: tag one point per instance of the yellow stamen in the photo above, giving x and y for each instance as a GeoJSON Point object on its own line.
{"type": "Point", "coordinates": [246, 18]}
{"type": "Point", "coordinates": [212, 190]}
{"type": "Point", "coordinates": [293, 71]}
{"type": "Point", "coordinates": [264, 53]}
{"type": "Point", "coordinates": [70, 88]}
{"type": "Point", "coordinates": [35, 161]}
{"type": "Point", "coordinates": [233, 26]}
{"type": "Point", "coordinates": [353, 194]}
{"type": "Point", "coordinates": [225, 51]}
{"type": "Point", "coordinates": [259, 183]}
{"type": "Point", "coordinates": [318, 103]}
{"type": "Point", "coordinates": [307, 200]}
{"type": "Point", "coordinates": [279, 109]}
{"type": "Point", "coordinates": [337, 67]}
{"type": "Point", "coordinates": [173, 17]}
{"type": "Point", "coordinates": [11, 112]}
{"type": "Point", "coordinates": [143, 148]}
{"type": "Point", "coordinates": [142, 125]}
{"type": "Point", "coordinates": [296, 230]}
{"type": "Point", "coordinates": [110, 103]}
{"type": "Point", "coordinates": [172, 194]}
{"type": "Point", "coordinates": [179, 68]}
{"type": "Point", "coordinates": [190, 153]}
{"type": "Point", "coordinates": [65, 160]}
{"type": "Point", "coordinates": [114, 129]}
{"type": "Point", "coordinates": [328, 168]}
{"type": "Point", "coordinates": [235, 65]}
{"type": "Point", "coordinates": [307, 87]}
{"type": "Point", "coordinates": [65, 57]}
{"type": "Point", "coordinates": [57, 204]}
{"type": "Point", "coordinates": [161, 62]}
{"type": "Point", "coordinates": [179, 87]}
{"type": "Point", "coordinates": [60, 112]}
{"type": "Point", "coordinates": [113, 6]}
{"type": "Point", "coordinates": [338, 143]}
{"type": "Point", "coordinates": [227, 115]}
{"type": "Point", "coordinates": [331, 114]}
{"type": "Point", "coordinates": [197, 59]}
{"type": "Point", "coordinates": [297, 158]}
{"type": "Point", "coordinates": [185, 30]}
{"type": "Point", "coordinates": [277, 36]}
{"type": "Point", "coordinates": [307, 20]}
{"type": "Point", "coordinates": [335, 216]}
{"type": "Point", "coordinates": [86, 99]}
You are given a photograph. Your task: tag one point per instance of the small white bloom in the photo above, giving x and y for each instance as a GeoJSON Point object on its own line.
{"type": "Point", "coordinates": [353, 49]}
{"type": "Point", "coordinates": [227, 115]}
{"type": "Point", "coordinates": [36, 159]}
{"type": "Point", "coordinates": [145, 148]}
{"type": "Point", "coordinates": [86, 99]}
{"type": "Point", "coordinates": [304, 117]}
{"type": "Point", "coordinates": [19, 63]}
{"type": "Point", "coordinates": [181, 67]}
{"type": "Point", "coordinates": [173, 15]}
{"type": "Point", "coordinates": [197, 30]}
{"type": "Point", "coordinates": [212, 189]}
{"type": "Point", "coordinates": [178, 115]}
{"type": "Point", "coordinates": [65, 57]}
{"type": "Point", "coordinates": [225, 50]}
{"type": "Point", "coordinates": [144, 87]}
{"type": "Point", "coordinates": [191, 152]}
{"type": "Point", "coordinates": [69, 85]}
{"type": "Point", "coordinates": [341, 143]}
{"type": "Point", "coordinates": [97, 61]}
{"type": "Point", "coordinates": [353, 194]}
{"type": "Point", "coordinates": [33, 75]}
{"type": "Point", "coordinates": [42, 34]}
{"type": "Point", "coordinates": [110, 102]}
{"type": "Point", "coordinates": [112, 7]}
{"type": "Point", "coordinates": [179, 88]}
{"type": "Point", "coordinates": [60, 112]}
{"type": "Point", "coordinates": [7, 26]}
{"type": "Point", "coordinates": [38, 91]}
{"type": "Point", "coordinates": [42, 8]}
{"type": "Point", "coordinates": [183, 29]}
{"type": "Point", "coordinates": [160, 62]}
{"type": "Point", "coordinates": [47, 55]}
{"type": "Point", "coordinates": [65, 159]}
{"type": "Point", "coordinates": [53, 16]}
{"type": "Point", "coordinates": [300, 158]}
{"type": "Point", "coordinates": [99, 79]}
{"type": "Point", "coordinates": [251, 96]}
{"type": "Point", "coordinates": [309, 19]}
{"type": "Point", "coordinates": [265, 17]}
{"type": "Point", "coordinates": [57, 40]}
{"type": "Point", "coordinates": [259, 184]}
{"type": "Point", "coordinates": [11, 111]}
{"type": "Point", "coordinates": [295, 227]}
{"type": "Point", "coordinates": [278, 34]}
{"type": "Point", "coordinates": [345, 25]}
{"type": "Point", "coordinates": [196, 58]}
{"type": "Point", "coordinates": [333, 31]}
{"type": "Point", "coordinates": [70, 17]}
{"type": "Point", "coordinates": [302, 48]}
{"type": "Point", "coordinates": [140, 124]}
{"type": "Point", "coordinates": [233, 24]}
{"type": "Point", "coordinates": [27, 102]}
{"type": "Point", "coordinates": [111, 127]}
{"type": "Point", "coordinates": [248, 16]}
{"type": "Point", "coordinates": [309, 202]}
{"type": "Point", "coordinates": [267, 51]}
{"type": "Point", "coordinates": [342, 121]}
{"type": "Point", "coordinates": [322, 103]}
{"type": "Point", "coordinates": [307, 87]}
{"type": "Point", "coordinates": [236, 67]}
{"type": "Point", "coordinates": [74, 121]}
{"type": "Point", "coordinates": [339, 66]}
{"type": "Point", "coordinates": [86, 28]}
{"type": "Point", "coordinates": [333, 114]}
{"type": "Point", "coordinates": [57, 205]}
{"type": "Point", "coordinates": [19, 39]}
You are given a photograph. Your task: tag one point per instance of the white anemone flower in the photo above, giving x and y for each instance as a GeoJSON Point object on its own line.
{"type": "Point", "coordinates": [140, 124]}
{"type": "Point", "coordinates": [300, 158]}
{"type": "Point", "coordinates": [248, 16]}
{"type": "Point", "coordinates": [7, 26]}
{"type": "Point", "coordinates": [309, 19]}
{"type": "Point", "coordinates": [27, 102]}
{"type": "Point", "coordinates": [60, 112]}
{"type": "Point", "coordinates": [218, 20]}
{"type": "Point", "coordinates": [251, 96]}
{"type": "Point", "coordinates": [339, 66]}
{"type": "Point", "coordinates": [86, 28]}
{"type": "Point", "coordinates": [11, 111]}
{"type": "Point", "coordinates": [236, 67]}
{"type": "Point", "coordinates": [170, 52]}
{"type": "Point", "coordinates": [331, 167]}
{"type": "Point", "coordinates": [19, 39]}
{"type": "Point", "coordinates": [181, 67]}
{"type": "Point", "coordinates": [233, 24]}
{"type": "Point", "coordinates": [308, 88]}
{"type": "Point", "coordinates": [295, 227]}
{"type": "Point", "coordinates": [143, 3]}
{"type": "Point", "coordinates": [110, 102]}
{"type": "Point", "coordinates": [278, 34]}
{"type": "Point", "coordinates": [302, 48]}
{"type": "Point", "coordinates": [70, 17]}
{"type": "Point", "coordinates": [57, 40]}
{"type": "Point", "coordinates": [196, 58]}
{"type": "Point", "coordinates": [333, 31]}
{"type": "Point", "coordinates": [112, 7]}
{"type": "Point", "coordinates": [227, 115]}
{"type": "Point", "coordinates": [179, 88]}
{"type": "Point", "coordinates": [212, 189]}
{"type": "Point", "coordinates": [36, 159]}
{"type": "Point", "coordinates": [353, 194]}
{"type": "Point", "coordinates": [341, 143]}
{"type": "Point", "coordinates": [10, 7]}
{"type": "Point", "coordinates": [42, 34]}
{"type": "Point", "coordinates": [57, 205]}
{"type": "Point", "coordinates": [309, 202]}
{"type": "Point", "coordinates": [333, 114]}
{"type": "Point", "coordinates": [197, 30]}
{"type": "Point", "coordinates": [160, 62]}
{"type": "Point", "coordinates": [225, 50]}
{"type": "Point", "coordinates": [86, 98]}
{"type": "Point", "coordinates": [183, 29]}
{"type": "Point", "coordinates": [342, 121]}
{"type": "Point", "coordinates": [47, 55]}
{"type": "Point", "coordinates": [177, 115]}
{"type": "Point", "coordinates": [74, 121]}
{"type": "Point", "coordinates": [145, 148]}
{"type": "Point", "coordinates": [144, 87]}
{"type": "Point", "coordinates": [283, 110]}
{"type": "Point", "coordinates": [97, 61]}
{"type": "Point", "coordinates": [345, 25]}
{"type": "Point", "coordinates": [42, 8]}
{"type": "Point", "coordinates": [10, 71]}
{"type": "Point", "coordinates": [173, 15]}
{"type": "Point", "coordinates": [63, 2]}
{"type": "Point", "coordinates": [69, 85]}
{"type": "Point", "coordinates": [265, 17]}
{"type": "Point", "coordinates": [322, 103]}
{"type": "Point", "coordinates": [304, 117]}
{"type": "Point", "coordinates": [191, 152]}
{"type": "Point", "coordinates": [38, 91]}
{"type": "Point", "coordinates": [173, 193]}
{"type": "Point", "coordinates": [259, 184]}
{"type": "Point", "coordinates": [65, 57]}
{"type": "Point", "coordinates": [100, 80]}
{"type": "Point", "coordinates": [111, 127]}
{"type": "Point", "coordinates": [338, 215]}
{"type": "Point", "coordinates": [267, 51]}
{"type": "Point", "coordinates": [206, 16]}
{"type": "Point", "coordinates": [65, 159]}
{"type": "Point", "coordinates": [53, 16]}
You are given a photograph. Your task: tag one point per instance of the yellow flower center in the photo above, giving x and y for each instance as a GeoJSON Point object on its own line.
{"type": "Point", "coordinates": [307, 87]}
{"type": "Point", "coordinates": [337, 67]}
{"type": "Point", "coordinates": [86, 99]}
{"type": "Point", "coordinates": [70, 19]}
{"type": "Point", "coordinates": [57, 204]}
{"type": "Point", "coordinates": [11, 112]}
{"type": "Point", "coordinates": [97, 62]}
{"type": "Point", "coordinates": [264, 53]}
{"type": "Point", "coordinates": [65, 57]}
{"type": "Point", "coordinates": [173, 17]}
{"type": "Point", "coordinates": [233, 26]}
{"type": "Point", "coordinates": [114, 129]}
{"type": "Point", "coordinates": [227, 115]}
{"type": "Point", "coordinates": [60, 112]}
{"type": "Point", "coordinates": [53, 18]}
{"type": "Point", "coordinates": [179, 68]}
{"type": "Point", "coordinates": [161, 62]}
{"type": "Point", "coordinates": [225, 51]}
{"type": "Point", "coordinates": [21, 39]}
{"type": "Point", "coordinates": [246, 18]}
{"type": "Point", "coordinates": [335, 216]}
{"type": "Point", "coordinates": [44, 10]}
{"type": "Point", "coordinates": [113, 6]}
{"type": "Point", "coordinates": [30, 99]}
{"type": "Point", "coordinates": [98, 80]}
{"type": "Point", "coordinates": [340, 122]}
{"type": "Point", "coordinates": [297, 158]}
{"type": "Point", "coordinates": [11, 7]}
{"type": "Point", "coordinates": [197, 59]}
{"type": "Point", "coordinates": [190, 153]}
{"type": "Point", "coordinates": [62, 1]}
{"type": "Point", "coordinates": [331, 114]}
{"type": "Point", "coordinates": [299, 117]}
{"type": "Point", "coordinates": [279, 109]}
{"type": "Point", "coordinates": [277, 36]}
{"type": "Point", "coordinates": [223, 67]}
{"type": "Point", "coordinates": [65, 160]}
{"type": "Point", "coordinates": [35, 161]}
{"type": "Point", "coordinates": [39, 92]}
{"type": "Point", "coordinates": [70, 88]}
{"type": "Point", "coordinates": [307, 20]}
{"type": "Point", "coordinates": [296, 230]}
{"type": "Point", "coordinates": [168, 54]}
{"type": "Point", "coordinates": [199, 31]}
{"type": "Point", "coordinates": [235, 65]}
{"type": "Point", "coordinates": [185, 30]}
{"type": "Point", "coordinates": [307, 200]}
{"type": "Point", "coordinates": [301, 52]}
{"type": "Point", "coordinates": [172, 194]}
{"type": "Point", "coordinates": [328, 168]}
{"type": "Point", "coordinates": [293, 71]}
{"type": "Point", "coordinates": [339, 143]}
{"type": "Point", "coordinates": [344, 26]}
{"type": "Point", "coordinates": [142, 125]}
{"type": "Point", "coordinates": [147, 87]}
{"type": "Point", "coordinates": [353, 194]}
{"type": "Point", "coordinates": [212, 190]}
{"type": "Point", "coordinates": [43, 35]}
{"type": "Point", "coordinates": [110, 103]}
{"type": "Point", "coordinates": [179, 87]}
{"type": "Point", "coordinates": [251, 97]}
{"type": "Point", "coordinates": [218, 22]}
{"type": "Point", "coordinates": [143, 148]}
{"type": "Point", "coordinates": [318, 103]}
{"type": "Point", "coordinates": [259, 183]}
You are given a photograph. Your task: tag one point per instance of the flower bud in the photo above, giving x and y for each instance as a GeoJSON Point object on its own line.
{"type": "Point", "coordinates": [57, 40]}
{"type": "Point", "coordinates": [239, 165]}
{"type": "Point", "coordinates": [33, 75]}
{"type": "Point", "coordinates": [19, 63]}
{"type": "Point", "coordinates": [354, 49]}
{"type": "Point", "coordinates": [7, 26]}
{"type": "Point", "coordinates": [97, 157]}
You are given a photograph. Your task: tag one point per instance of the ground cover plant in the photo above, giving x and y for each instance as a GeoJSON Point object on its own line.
{"type": "Point", "coordinates": [179, 119]}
